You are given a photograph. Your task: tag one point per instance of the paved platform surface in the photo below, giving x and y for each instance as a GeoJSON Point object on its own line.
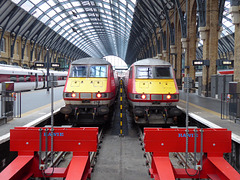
{"type": "Point", "coordinates": [36, 107]}
{"type": "Point", "coordinates": [120, 158]}
{"type": "Point", "coordinates": [208, 111]}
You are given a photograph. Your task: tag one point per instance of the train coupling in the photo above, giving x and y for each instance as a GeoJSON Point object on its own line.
{"type": "Point", "coordinates": [174, 112]}
{"type": "Point", "coordinates": [102, 110]}
{"type": "Point", "coordinates": [139, 112]}
{"type": "Point", "coordinates": [66, 110]}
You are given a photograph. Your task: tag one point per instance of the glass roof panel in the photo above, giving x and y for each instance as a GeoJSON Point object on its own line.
{"type": "Point", "coordinates": [35, 1]}
{"type": "Point", "coordinates": [27, 5]}
{"type": "Point", "coordinates": [44, 7]}
{"type": "Point", "coordinates": [99, 28]}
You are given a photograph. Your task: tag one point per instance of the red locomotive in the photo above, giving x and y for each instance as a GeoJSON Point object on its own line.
{"type": "Point", "coordinates": [90, 91]}
{"type": "Point", "coordinates": [152, 92]}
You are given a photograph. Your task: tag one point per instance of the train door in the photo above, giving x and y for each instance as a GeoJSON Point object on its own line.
{"type": "Point", "coordinates": [36, 80]}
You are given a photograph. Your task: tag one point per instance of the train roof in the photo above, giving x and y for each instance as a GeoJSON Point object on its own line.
{"type": "Point", "coordinates": [90, 60]}
{"type": "Point", "coordinates": [151, 61]}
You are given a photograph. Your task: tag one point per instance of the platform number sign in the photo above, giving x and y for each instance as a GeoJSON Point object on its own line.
{"type": "Point", "coordinates": [40, 65]}
{"type": "Point", "coordinates": [55, 65]}
{"type": "Point", "coordinates": [224, 62]}
{"type": "Point", "coordinates": [200, 62]}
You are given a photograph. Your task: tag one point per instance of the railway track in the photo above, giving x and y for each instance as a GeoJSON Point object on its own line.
{"type": "Point", "coordinates": [180, 157]}
{"type": "Point", "coordinates": [61, 158]}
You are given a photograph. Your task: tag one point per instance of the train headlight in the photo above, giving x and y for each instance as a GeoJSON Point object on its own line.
{"type": "Point", "coordinates": [168, 96]}
{"type": "Point", "coordinates": [140, 96]}
{"type": "Point", "coordinates": [143, 96]}
{"type": "Point", "coordinates": [71, 95]}
{"type": "Point", "coordinates": [98, 95]}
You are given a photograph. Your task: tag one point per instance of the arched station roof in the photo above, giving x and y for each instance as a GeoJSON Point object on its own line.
{"type": "Point", "coordinates": [97, 28]}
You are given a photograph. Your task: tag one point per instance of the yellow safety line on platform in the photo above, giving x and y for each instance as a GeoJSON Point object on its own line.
{"type": "Point", "coordinates": [202, 108]}
{"type": "Point", "coordinates": [121, 98]}
{"type": "Point", "coordinates": [39, 109]}
{"type": "Point", "coordinates": [120, 123]}
{"type": "Point", "coordinates": [120, 106]}
{"type": "Point", "coordinates": [120, 115]}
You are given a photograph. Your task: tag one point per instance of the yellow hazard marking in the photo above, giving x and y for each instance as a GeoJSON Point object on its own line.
{"type": "Point", "coordinates": [40, 108]}
{"type": "Point", "coordinates": [120, 90]}
{"type": "Point", "coordinates": [120, 106]}
{"type": "Point", "coordinates": [121, 98]}
{"type": "Point", "coordinates": [120, 131]}
{"type": "Point", "coordinates": [120, 115]}
{"type": "Point", "coordinates": [120, 123]}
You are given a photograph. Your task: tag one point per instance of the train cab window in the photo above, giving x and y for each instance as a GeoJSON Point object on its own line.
{"type": "Point", "coordinates": [98, 71]}
{"type": "Point", "coordinates": [28, 79]}
{"type": "Point", "coordinates": [13, 78]}
{"type": "Point", "coordinates": [21, 78]}
{"type": "Point", "coordinates": [78, 71]}
{"type": "Point", "coordinates": [144, 72]}
{"type": "Point", "coordinates": [163, 72]}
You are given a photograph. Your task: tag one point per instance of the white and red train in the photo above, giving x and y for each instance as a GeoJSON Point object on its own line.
{"type": "Point", "coordinates": [90, 91]}
{"type": "Point", "coordinates": [152, 92]}
{"type": "Point", "coordinates": [29, 79]}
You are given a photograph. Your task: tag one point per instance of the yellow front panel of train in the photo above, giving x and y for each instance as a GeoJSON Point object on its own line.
{"type": "Point", "coordinates": [155, 86]}
{"type": "Point", "coordinates": [86, 85]}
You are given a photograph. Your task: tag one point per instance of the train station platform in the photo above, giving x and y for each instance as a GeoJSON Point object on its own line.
{"type": "Point", "coordinates": [36, 108]}
{"type": "Point", "coordinates": [207, 111]}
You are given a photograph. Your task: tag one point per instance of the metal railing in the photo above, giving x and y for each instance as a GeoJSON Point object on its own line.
{"type": "Point", "coordinates": [10, 105]}
{"type": "Point", "coordinates": [230, 106]}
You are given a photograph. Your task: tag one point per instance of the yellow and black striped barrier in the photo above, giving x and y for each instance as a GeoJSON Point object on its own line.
{"type": "Point", "coordinates": [121, 109]}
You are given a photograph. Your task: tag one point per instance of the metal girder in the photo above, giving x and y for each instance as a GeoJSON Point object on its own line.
{"type": "Point", "coordinates": [183, 22]}
{"type": "Point", "coordinates": [235, 2]}
{"type": "Point", "coordinates": [172, 35]}
{"type": "Point", "coordinates": [201, 8]}
{"type": "Point", "coordinates": [221, 10]}
{"type": "Point", "coordinates": [9, 16]}
{"type": "Point", "coordinates": [146, 10]}
{"type": "Point", "coordinates": [164, 42]}
{"type": "Point", "coordinates": [15, 31]}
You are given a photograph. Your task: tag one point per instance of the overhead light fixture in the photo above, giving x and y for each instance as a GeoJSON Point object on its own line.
{"type": "Point", "coordinates": [74, 30]}
{"type": "Point", "coordinates": [74, 13]}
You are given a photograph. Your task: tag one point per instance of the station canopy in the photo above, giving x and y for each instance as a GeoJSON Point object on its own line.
{"type": "Point", "coordinates": [98, 27]}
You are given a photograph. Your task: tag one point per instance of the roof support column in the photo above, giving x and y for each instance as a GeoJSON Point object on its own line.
{"type": "Point", "coordinates": [178, 64]}
{"type": "Point", "coordinates": [189, 43]}
{"type": "Point", "coordinates": [209, 35]}
{"type": "Point", "coordinates": [235, 12]}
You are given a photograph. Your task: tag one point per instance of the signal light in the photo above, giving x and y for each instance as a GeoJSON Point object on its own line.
{"type": "Point", "coordinates": [74, 95]}
{"type": "Point", "coordinates": [168, 96]}
{"type": "Point", "coordinates": [143, 96]}
{"type": "Point", "coordinates": [99, 95]}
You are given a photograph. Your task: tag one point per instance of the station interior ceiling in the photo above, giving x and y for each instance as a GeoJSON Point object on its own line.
{"type": "Point", "coordinates": [123, 28]}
